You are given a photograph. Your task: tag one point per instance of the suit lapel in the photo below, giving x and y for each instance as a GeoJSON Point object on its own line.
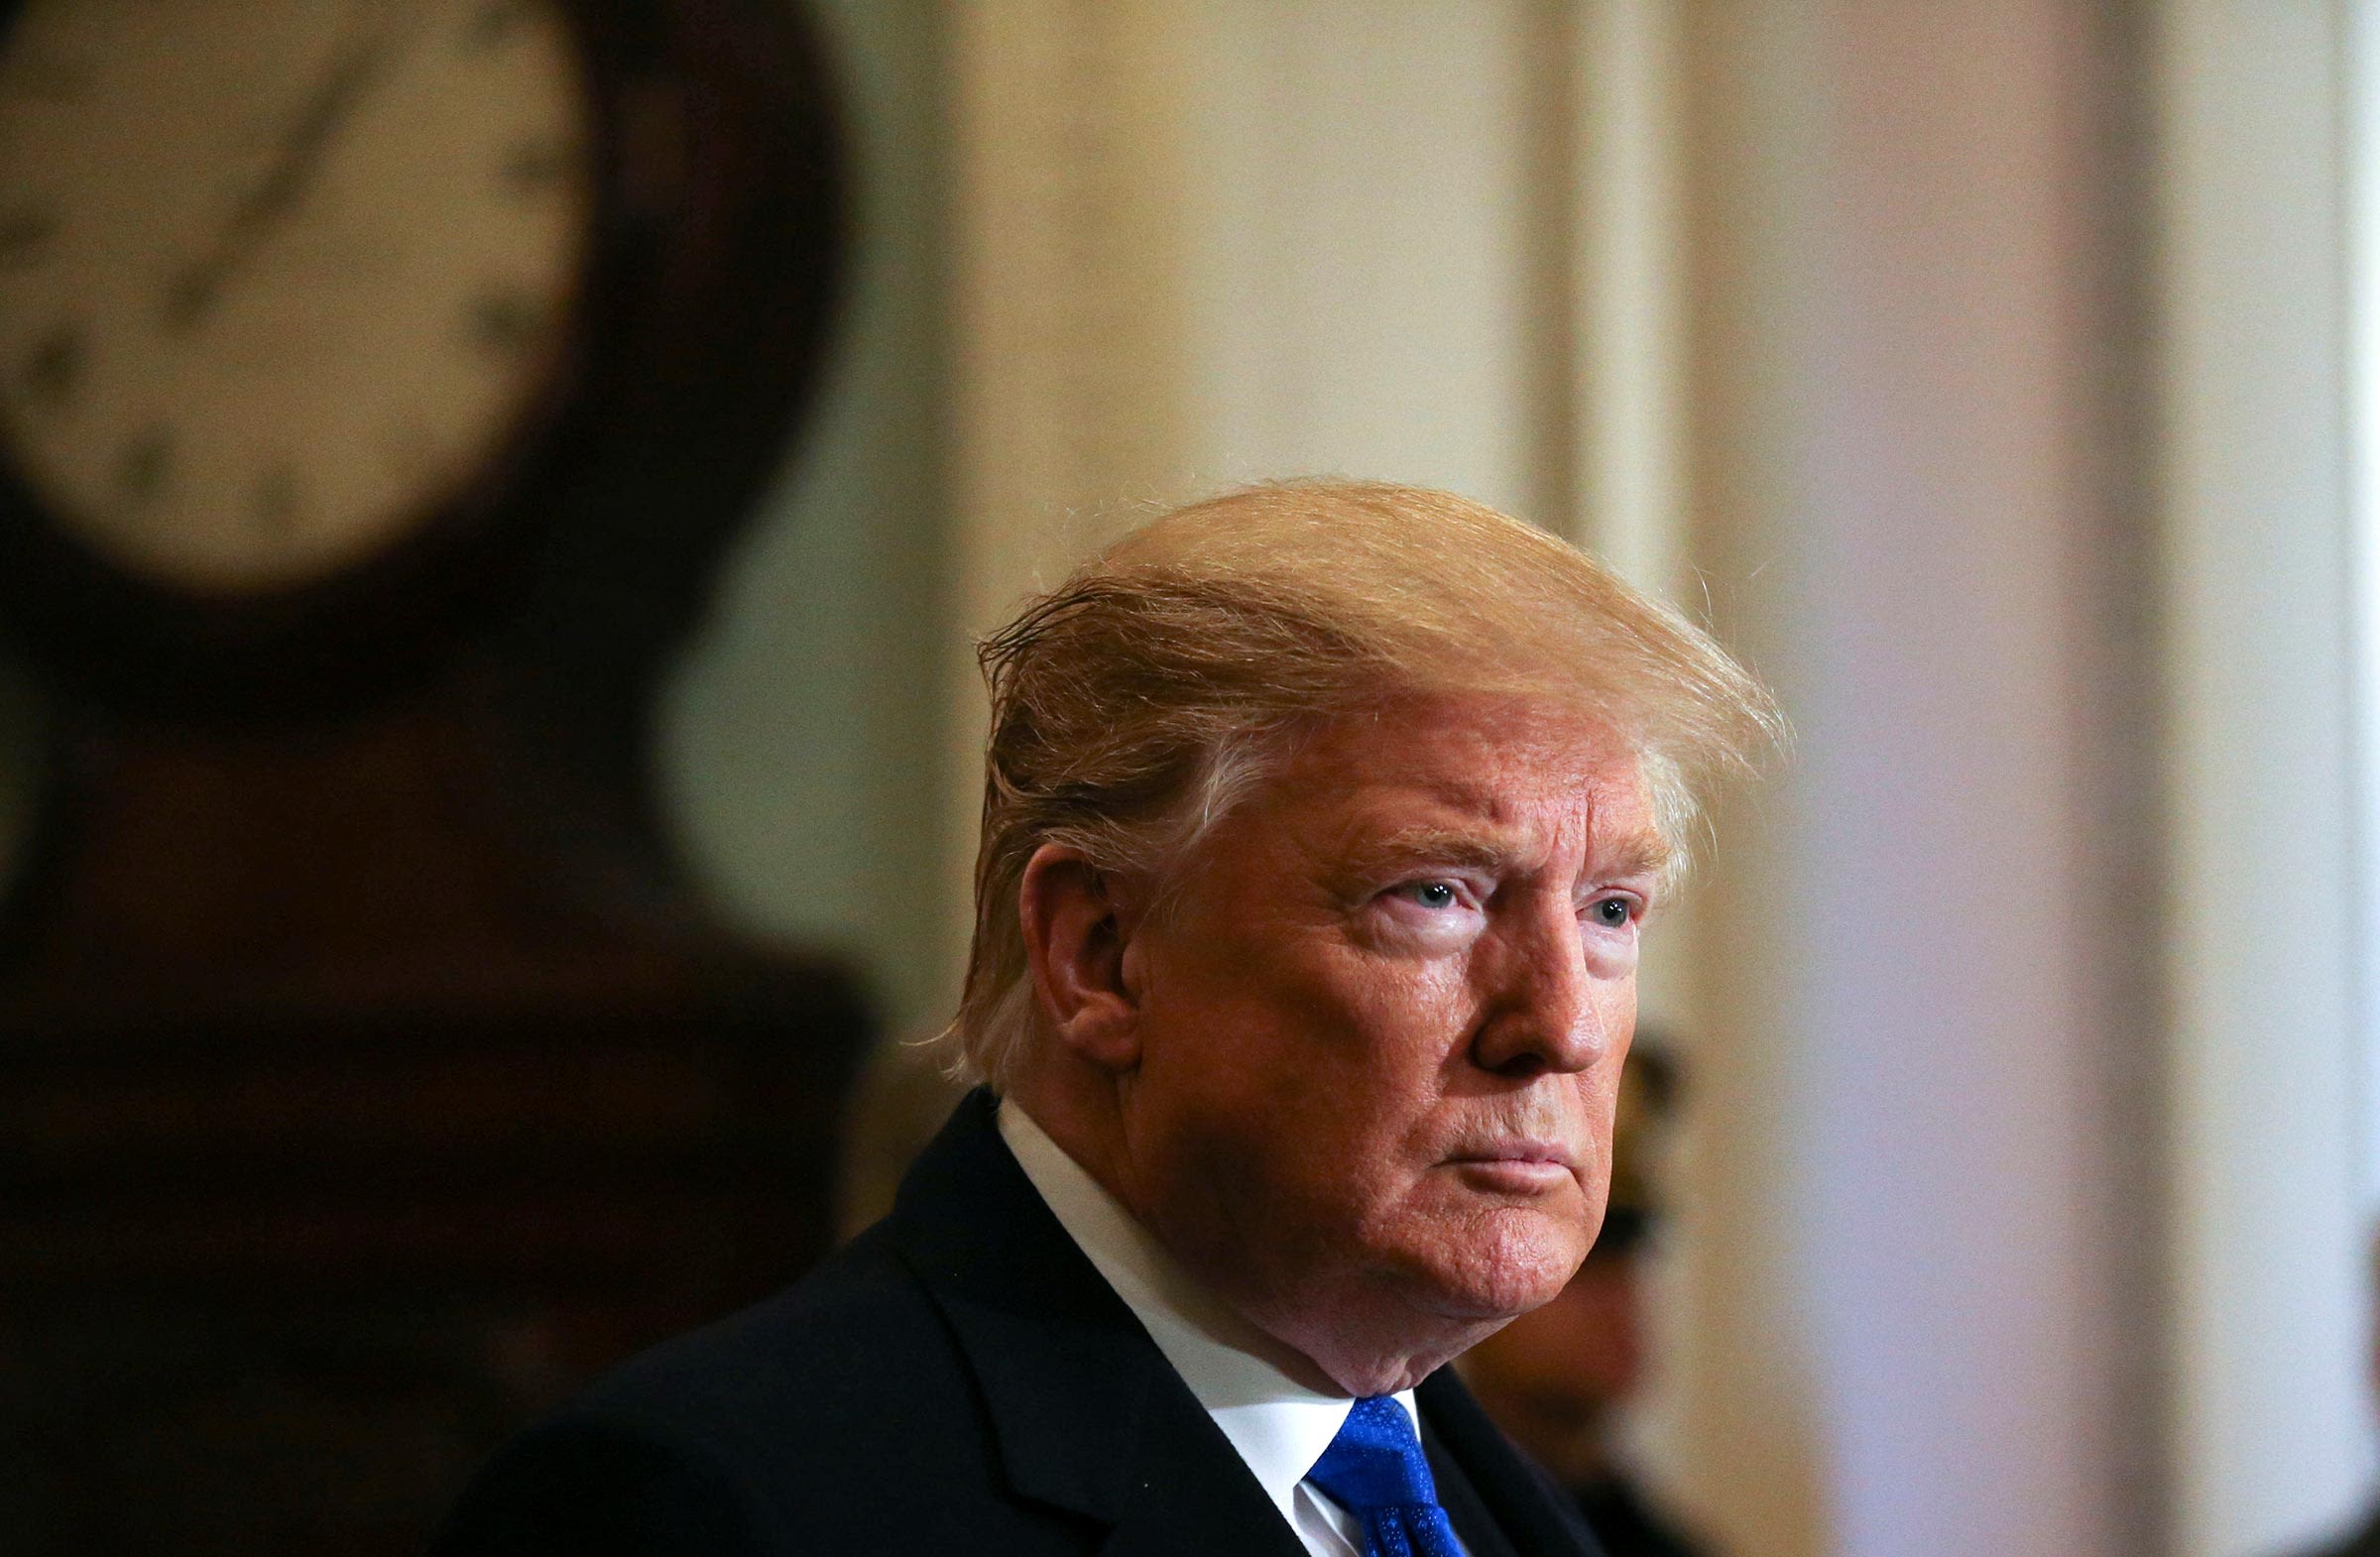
{"type": "Point", "coordinates": [1466, 1509]}
{"type": "Point", "coordinates": [1200, 1498]}
{"type": "Point", "coordinates": [1521, 1502]}
{"type": "Point", "coordinates": [1087, 1414]}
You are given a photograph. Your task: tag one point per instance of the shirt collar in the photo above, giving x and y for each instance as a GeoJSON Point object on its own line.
{"type": "Point", "coordinates": [1279, 1426]}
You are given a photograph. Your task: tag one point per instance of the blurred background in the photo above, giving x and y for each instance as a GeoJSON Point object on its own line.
{"type": "Point", "coordinates": [464, 823]}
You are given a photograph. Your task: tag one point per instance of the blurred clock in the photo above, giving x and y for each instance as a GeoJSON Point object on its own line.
{"type": "Point", "coordinates": [321, 318]}
{"type": "Point", "coordinates": [380, 383]}
{"type": "Point", "coordinates": [280, 278]}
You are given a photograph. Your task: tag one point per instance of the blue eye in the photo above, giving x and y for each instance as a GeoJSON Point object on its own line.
{"type": "Point", "coordinates": [1433, 895]}
{"type": "Point", "coordinates": [1611, 912]}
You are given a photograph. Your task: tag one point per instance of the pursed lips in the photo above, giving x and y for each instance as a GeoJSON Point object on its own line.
{"type": "Point", "coordinates": [1530, 1149]}
{"type": "Point", "coordinates": [1526, 1163]}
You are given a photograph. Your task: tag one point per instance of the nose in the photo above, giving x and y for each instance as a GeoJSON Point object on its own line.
{"type": "Point", "coordinates": [1542, 1006]}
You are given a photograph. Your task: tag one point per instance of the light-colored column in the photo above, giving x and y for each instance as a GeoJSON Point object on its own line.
{"type": "Point", "coordinates": [1902, 366]}
{"type": "Point", "coordinates": [1361, 243]}
{"type": "Point", "coordinates": [1750, 1439]}
{"type": "Point", "coordinates": [2270, 1439]}
{"type": "Point", "coordinates": [1071, 383]}
{"type": "Point", "coordinates": [1630, 290]}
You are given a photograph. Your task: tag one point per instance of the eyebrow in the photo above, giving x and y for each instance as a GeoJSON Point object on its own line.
{"type": "Point", "coordinates": [1637, 854]}
{"type": "Point", "coordinates": [1640, 854]}
{"type": "Point", "coordinates": [1452, 846]}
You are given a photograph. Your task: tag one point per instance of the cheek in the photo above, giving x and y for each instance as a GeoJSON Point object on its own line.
{"type": "Point", "coordinates": [1310, 1078]}
{"type": "Point", "coordinates": [1404, 1020]}
{"type": "Point", "coordinates": [1345, 1033]}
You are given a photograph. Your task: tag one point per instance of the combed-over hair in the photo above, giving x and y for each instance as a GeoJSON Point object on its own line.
{"type": "Point", "coordinates": [1135, 705]}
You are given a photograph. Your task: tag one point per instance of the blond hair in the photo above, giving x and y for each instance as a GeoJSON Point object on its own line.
{"type": "Point", "coordinates": [1135, 705]}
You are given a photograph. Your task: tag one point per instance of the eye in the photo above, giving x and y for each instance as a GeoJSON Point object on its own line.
{"type": "Point", "coordinates": [1432, 895]}
{"type": "Point", "coordinates": [1611, 912]}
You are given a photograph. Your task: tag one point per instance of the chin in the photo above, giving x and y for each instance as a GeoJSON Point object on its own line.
{"type": "Point", "coordinates": [1503, 1267]}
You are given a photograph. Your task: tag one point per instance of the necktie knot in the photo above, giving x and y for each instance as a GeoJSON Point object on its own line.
{"type": "Point", "coordinates": [1374, 1469]}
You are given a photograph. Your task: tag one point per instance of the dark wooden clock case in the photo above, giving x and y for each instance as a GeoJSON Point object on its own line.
{"type": "Point", "coordinates": [367, 1075]}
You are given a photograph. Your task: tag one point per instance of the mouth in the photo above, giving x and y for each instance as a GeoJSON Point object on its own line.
{"type": "Point", "coordinates": [1517, 1167]}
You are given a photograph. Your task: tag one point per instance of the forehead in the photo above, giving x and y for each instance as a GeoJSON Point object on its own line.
{"type": "Point", "coordinates": [1508, 771]}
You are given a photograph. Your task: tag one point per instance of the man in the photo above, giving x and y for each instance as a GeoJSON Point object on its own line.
{"type": "Point", "coordinates": [1320, 823]}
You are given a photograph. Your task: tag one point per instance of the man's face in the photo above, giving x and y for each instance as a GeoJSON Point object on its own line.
{"type": "Point", "coordinates": [1382, 1032]}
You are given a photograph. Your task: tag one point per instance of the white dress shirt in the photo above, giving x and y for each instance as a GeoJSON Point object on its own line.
{"type": "Point", "coordinates": [1279, 1426]}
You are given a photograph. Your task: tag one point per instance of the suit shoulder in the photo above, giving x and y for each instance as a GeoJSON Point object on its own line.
{"type": "Point", "coordinates": [594, 1489]}
{"type": "Point", "coordinates": [844, 1346]}
{"type": "Point", "coordinates": [813, 1419]}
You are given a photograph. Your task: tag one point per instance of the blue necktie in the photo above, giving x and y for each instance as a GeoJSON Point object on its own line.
{"type": "Point", "coordinates": [1375, 1469]}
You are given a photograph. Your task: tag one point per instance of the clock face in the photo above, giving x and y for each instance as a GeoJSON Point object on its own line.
{"type": "Point", "coordinates": [280, 278]}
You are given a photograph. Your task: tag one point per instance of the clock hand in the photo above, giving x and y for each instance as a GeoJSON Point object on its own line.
{"type": "Point", "coordinates": [283, 186]}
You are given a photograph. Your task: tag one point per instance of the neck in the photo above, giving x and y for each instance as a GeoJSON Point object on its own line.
{"type": "Point", "coordinates": [1377, 1347]}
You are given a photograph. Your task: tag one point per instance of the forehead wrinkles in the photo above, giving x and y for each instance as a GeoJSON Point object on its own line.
{"type": "Point", "coordinates": [1603, 844]}
{"type": "Point", "coordinates": [1495, 780]}
{"type": "Point", "coordinates": [1603, 824]}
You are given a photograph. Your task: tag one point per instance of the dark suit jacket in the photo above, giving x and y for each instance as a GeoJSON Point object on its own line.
{"type": "Point", "coordinates": [959, 1380]}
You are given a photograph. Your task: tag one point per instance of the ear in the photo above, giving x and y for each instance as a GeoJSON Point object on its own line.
{"type": "Point", "coordinates": [1076, 928]}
